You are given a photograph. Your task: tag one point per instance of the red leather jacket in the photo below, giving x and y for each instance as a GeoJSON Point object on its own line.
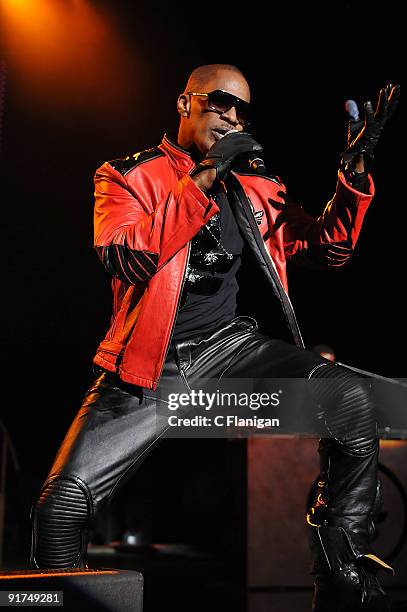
{"type": "Point", "coordinates": [147, 211]}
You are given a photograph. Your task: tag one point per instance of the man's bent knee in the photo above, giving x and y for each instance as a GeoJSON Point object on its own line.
{"type": "Point", "coordinates": [59, 524]}
{"type": "Point", "coordinates": [349, 412]}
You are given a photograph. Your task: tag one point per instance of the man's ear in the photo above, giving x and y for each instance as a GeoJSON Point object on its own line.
{"type": "Point", "coordinates": [184, 105]}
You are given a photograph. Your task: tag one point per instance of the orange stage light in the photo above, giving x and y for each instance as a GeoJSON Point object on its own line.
{"type": "Point", "coordinates": [65, 53]}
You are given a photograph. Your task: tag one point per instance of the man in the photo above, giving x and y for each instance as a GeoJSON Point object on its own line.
{"type": "Point", "coordinates": [172, 226]}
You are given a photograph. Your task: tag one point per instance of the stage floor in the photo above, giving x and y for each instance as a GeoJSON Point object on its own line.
{"type": "Point", "coordinates": [183, 578]}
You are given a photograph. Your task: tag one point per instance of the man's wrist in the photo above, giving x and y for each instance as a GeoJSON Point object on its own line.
{"type": "Point", "coordinates": [205, 179]}
{"type": "Point", "coordinates": [359, 164]}
{"type": "Point", "coordinates": [357, 180]}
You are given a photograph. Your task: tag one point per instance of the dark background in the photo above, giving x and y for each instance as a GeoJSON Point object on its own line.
{"type": "Point", "coordinates": [303, 62]}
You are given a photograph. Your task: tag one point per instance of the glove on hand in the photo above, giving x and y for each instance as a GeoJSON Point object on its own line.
{"type": "Point", "coordinates": [224, 153]}
{"type": "Point", "coordinates": [366, 140]}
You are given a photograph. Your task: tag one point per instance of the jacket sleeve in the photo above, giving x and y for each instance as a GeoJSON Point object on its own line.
{"type": "Point", "coordinates": [328, 240]}
{"type": "Point", "coordinates": [133, 237]}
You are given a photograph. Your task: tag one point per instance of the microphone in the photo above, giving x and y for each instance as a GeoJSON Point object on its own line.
{"type": "Point", "coordinates": [256, 164]}
{"type": "Point", "coordinates": [355, 123]}
{"type": "Point", "coordinates": [352, 109]}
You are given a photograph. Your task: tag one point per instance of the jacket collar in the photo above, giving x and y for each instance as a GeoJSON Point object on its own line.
{"type": "Point", "coordinates": [179, 157]}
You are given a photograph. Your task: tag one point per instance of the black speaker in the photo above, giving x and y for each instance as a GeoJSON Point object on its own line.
{"type": "Point", "coordinates": [108, 590]}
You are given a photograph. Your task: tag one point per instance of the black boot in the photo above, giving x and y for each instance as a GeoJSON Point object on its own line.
{"type": "Point", "coordinates": [346, 576]}
{"type": "Point", "coordinates": [342, 525]}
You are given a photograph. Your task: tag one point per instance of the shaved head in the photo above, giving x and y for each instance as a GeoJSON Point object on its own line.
{"type": "Point", "coordinates": [200, 124]}
{"type": "Point", "coordinates": [202, 75]}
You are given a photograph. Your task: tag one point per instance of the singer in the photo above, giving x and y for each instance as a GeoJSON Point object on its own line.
{"type": "Point", "coordinates": [173, 226]}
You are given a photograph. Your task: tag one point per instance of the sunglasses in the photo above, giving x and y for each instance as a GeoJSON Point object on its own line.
{"type": "Point", "coordinates": [221, 101]}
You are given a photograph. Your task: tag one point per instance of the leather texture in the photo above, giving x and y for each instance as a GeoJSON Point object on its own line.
{"type": "Point", "coordinates": [352, 417]}
{"type": "Point", "coordinates": [365, 141]}
{"type": "Point", "coordinates": [346, 580]}
{"type": "Point", "coordinates": [347, 498]}
{"type": "Point", "coordinates": [222, 155]}
{"type": "Point", "coordinates": [152, 211]}
{"type": "Point", "coordinates": [59, 521]}
{"type": "Point", "coordinates": [119, 424]}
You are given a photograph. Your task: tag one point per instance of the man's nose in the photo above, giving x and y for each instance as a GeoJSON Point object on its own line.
{"type": "Point", "coordinates": [231, 116]}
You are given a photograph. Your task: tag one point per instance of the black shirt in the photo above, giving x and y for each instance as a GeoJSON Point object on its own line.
{"type": "Point", "coordinates": [208, 299]}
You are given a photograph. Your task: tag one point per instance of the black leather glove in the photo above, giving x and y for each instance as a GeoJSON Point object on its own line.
{"type": "Point", "coordinates": [366, 140]}
{"type": "Point", "coordinates": [226, 151]}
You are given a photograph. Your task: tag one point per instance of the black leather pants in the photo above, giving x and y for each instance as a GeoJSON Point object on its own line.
{"type": "Point", "coordinates": [116, 428]}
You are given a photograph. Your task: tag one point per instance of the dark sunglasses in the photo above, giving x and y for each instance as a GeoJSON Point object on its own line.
{"type": "Point", "coordinates": [221, 101]}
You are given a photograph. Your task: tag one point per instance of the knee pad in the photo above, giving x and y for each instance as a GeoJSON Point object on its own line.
{"type": "Point", "coordinates": [59, 524]}
{"type": "Point", "coordinates": [347, 405]}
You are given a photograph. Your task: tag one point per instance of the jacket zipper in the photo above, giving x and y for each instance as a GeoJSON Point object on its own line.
{"type": "Point", "coordinates": [289, 313]}
{"type": "Point", "coordinates": [176, 312]}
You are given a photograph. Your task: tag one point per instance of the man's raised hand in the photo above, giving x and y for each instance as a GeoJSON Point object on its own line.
{"type": "Point", "coordinates": [365, 141]}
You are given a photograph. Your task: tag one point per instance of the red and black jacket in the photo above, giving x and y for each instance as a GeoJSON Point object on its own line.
{"type": "Point", "coordinates": [148, 209]}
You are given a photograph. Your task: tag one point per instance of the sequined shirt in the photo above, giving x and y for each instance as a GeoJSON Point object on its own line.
{"type": "Point", "coordinates": [208, 300]}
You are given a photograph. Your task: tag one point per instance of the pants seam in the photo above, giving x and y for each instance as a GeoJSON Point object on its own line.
{"type": "Point", "coordinates": [234, 357]}
{"type": "Point", "coordinates": [317, 367]}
